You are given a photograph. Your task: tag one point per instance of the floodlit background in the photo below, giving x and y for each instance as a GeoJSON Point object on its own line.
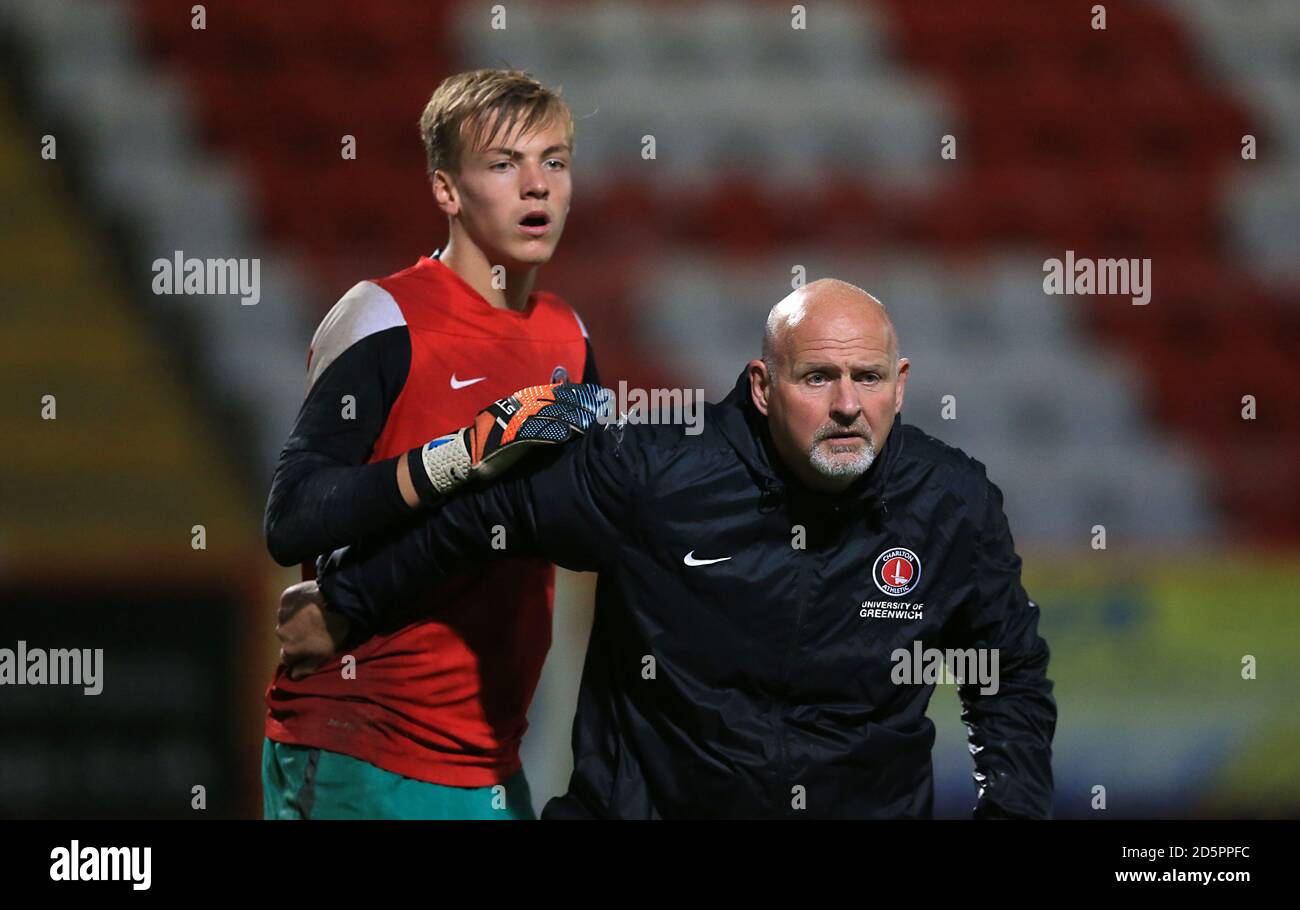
{"type": "Point", "coordinates": [779, 152]}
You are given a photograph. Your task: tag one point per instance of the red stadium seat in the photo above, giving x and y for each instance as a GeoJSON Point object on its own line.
{"type": "Point", "coordinates": [1109, 143]}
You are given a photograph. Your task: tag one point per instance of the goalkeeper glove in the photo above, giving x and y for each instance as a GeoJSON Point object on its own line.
{"type": "Point", "coordinates": [501, 434]}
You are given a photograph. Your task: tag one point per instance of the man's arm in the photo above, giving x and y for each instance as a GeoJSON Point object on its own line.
{"type": "Point", "coordinates": [573, 510]}
{"type": "Point", "coordinates": [323, 494]}
{"type": "Point", "coordinates": [1010, 730]}
{"type": "Point", "coordinates": [590, 375]}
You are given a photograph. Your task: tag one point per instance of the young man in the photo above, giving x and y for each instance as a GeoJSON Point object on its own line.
{"type": "Point", "coordinates": [424, 719]}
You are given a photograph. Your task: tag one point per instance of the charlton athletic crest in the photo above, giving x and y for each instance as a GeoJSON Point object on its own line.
{"type": "Point", "coordinates": [897, 571]}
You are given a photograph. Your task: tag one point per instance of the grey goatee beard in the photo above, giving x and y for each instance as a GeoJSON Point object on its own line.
{"type": "Point", "coordinates": [829, 466]}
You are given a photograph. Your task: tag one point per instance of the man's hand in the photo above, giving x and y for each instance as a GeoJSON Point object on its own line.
{"type": "Point", "coordinates": [501, 434]}
{"type": "Point", "coordinates": [309, 634]}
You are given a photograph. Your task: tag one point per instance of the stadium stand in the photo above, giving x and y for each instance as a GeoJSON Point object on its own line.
{"type": "Point", "coordinates": [1107, 143]}
{"type": "Point", "coordinates": [774, 149]}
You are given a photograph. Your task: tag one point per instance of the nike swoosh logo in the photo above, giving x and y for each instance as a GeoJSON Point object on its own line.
{"type": "Point", "coordinates": [460, 384]}
{"type": "Point", "coordinates": [690, 560]}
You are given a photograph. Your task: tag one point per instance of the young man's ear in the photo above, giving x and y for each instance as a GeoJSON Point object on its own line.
{"type": "Point", "coordinates": [445, 193]}
{"type": "Point", "coordinates": [760, 384]}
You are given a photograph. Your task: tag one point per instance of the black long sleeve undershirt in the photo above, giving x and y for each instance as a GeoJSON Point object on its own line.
{"type": "Point", "coordinates": [323, 494]}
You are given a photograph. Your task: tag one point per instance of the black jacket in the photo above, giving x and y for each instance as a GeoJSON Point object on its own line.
{"type": "Point", "coordinates": [740, 659]}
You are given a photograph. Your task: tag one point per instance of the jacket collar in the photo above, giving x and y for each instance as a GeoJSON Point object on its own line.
{"type": "Point", "coordinates": [747, 431]}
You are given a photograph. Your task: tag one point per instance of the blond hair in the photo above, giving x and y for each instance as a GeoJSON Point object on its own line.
{"type": "Point", "coordinates": [479, 105]}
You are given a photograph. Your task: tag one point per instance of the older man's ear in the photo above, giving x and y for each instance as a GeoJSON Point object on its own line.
{"type": "Point", "coordinates": [901, 385]}
{"type": "Point", "coordinates": [759, 384]}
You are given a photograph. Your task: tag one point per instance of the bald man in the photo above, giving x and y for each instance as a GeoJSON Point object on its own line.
{"type": "Point", "coordinates": [830, 382]}
{"type": "Point", "coordinates": [778, 595]}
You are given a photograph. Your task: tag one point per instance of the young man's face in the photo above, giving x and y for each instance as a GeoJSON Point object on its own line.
{"type": "Point", "coordinates": [512, 197]}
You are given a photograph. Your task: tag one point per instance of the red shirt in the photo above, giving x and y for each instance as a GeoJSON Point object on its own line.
{"type": "Point", "coordinates": [444, 699]}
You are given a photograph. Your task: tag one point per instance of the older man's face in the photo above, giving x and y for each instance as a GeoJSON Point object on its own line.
{"type": "Point", "coordinates": [838, 387]}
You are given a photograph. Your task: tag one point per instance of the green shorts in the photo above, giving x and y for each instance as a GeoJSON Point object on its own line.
{"type": "Point", "coordinates": [301, 782]}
